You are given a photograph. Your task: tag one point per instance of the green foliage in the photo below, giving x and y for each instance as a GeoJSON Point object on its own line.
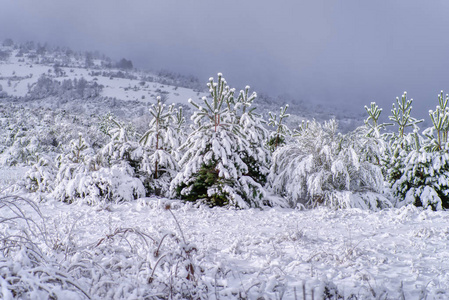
{"type": "Point", "coordinates": [206, 178]}
{"type": "Point", "coordinates": [78, 147]}
{"type": "Point", "coordinates": [106, 123]}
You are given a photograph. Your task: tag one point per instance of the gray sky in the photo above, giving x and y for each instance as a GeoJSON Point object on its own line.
{"type": "Point", "coordinates": [347, 52]}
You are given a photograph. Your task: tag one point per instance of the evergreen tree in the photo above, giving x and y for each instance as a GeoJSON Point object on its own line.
{"type": "Point", "coordinates": [160, 144]}
{"type": "Point", "coordinates": [122, 146]}
{"type": "Point", "coordinates": [278, 137]}
{"type": "Point", "coordinates": [224, 160]}
{"type": "Point", "coordinates": [420, 170]}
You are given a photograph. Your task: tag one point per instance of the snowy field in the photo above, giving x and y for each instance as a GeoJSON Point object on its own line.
{"type": "Point", "coordinates": [156, 248]}
{"type": "Point", "coordinates": [272, 253]}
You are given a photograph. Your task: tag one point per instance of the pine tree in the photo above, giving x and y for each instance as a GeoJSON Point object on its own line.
{"type": "Point", "coordinates": [224, 155]}
{"type": "Point", "coordinates": [122, 146]}
{"type": "Point", "coordinates": [422, 169]}
{"type": "Point", "coordinates": [160, 144]}
{"type": "Point", "coordinates": [279, 136]}
{"type": "Point", "coordinates": [400, 144]}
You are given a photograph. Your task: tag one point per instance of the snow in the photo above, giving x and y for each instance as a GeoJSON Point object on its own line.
{"type": "Point", "coordinates": [263, 253]}
{"type": "Point", "coordinates": [18, 73]}
{"type": "Point", "coordinates": [11, 175]}
{"type": "Point", "coordinates": [269, 253]}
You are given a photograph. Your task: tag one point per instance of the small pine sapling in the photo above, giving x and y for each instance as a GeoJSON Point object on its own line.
{"type": "Point", "coordinates": [122, 146]}
{"type": "Point", "coordinates": [401, 117]}
{"type": "Point", "coordinates": [400, 144]}
{"type": "Point", "coordinates": [423, 179]}
{"type": "Point", "coordinates": [279, 136]}
{"type": "Point", "coordinates": [373, 139]}
{"type": "Point", "coordinates": [160, 144]}
{"type": "Point", "coordinates": [372, 122]}
{"type": "Point", "coordinates": [440, 121]}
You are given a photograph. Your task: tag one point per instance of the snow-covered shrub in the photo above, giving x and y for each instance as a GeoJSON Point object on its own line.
{"type": "Point", "coordinates": [19, 135]}
{"type": "Point", "coordinates": [114, 184]}
{"type": "Point", "coordinates": [26, 272]}
{"type": "Point", "coordinates": [41, 176]}
{"type": "Point", "coordinates": [82, 176]}
{"type": "Point", "coordinates": [121, 263]}
{"type": "Point", "coordinates": [160, 148]}
{"type": "Point", "coordinates": [324, 167]}
{"type": "Point", "coordinates": [28, 133]}
{"type": "Point", "coordinates": [417, 166]}
{"type": "Point", "coordinates": [225, 159]}
{"type": "Point", "coordinates": [122, 146]}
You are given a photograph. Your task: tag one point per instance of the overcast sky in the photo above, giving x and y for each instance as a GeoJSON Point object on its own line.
{"type": "Point", "coordinates": [347, 52]}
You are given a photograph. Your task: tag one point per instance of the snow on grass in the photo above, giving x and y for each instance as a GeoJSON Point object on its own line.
{"type": "Point", "coordinates": [11, 175]}
{"type": "Point", "coordinates": [273, 252]}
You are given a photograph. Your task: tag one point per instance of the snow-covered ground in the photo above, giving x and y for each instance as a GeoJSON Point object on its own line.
{"type": "Point", "coordinates": [276, 253]}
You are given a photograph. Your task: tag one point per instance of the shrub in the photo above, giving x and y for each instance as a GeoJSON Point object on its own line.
{"type": "Point", "coordinates": [324, 167]}
{"type": "Point", "coordinates": [83, 177]}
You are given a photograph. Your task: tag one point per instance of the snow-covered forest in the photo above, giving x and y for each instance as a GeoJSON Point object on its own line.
{"type": "Point", "coordinates": [118, 183]}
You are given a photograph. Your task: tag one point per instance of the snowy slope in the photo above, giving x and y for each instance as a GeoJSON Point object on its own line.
{"type": "Point", "coordinates": [18, 74]}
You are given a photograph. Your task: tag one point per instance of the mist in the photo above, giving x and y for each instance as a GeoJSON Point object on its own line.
{"type": "Point", "coordinates": [338, 53]}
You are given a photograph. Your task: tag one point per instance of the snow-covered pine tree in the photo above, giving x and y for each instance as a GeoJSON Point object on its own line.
{"type": "Point", "coordinates": [181, 131]}
{"type": "Point", "coordinates": [278, 137]}
{"type": "Point", "coordinates": [324, 167]}
{"type": "Point", "coordinates": [160, 144]}
{"type": "Point", "coordinates": [224, 156]}
{"type": "Point", "coordinates": [251, 127]}
{"type": "Point", "coordinates": [422, 173]}
{"type": "Point", "coordinates": [69, 166]}
{"type": "Point", "coordinates": [122, 146]}
{"type": "Point", "coordinates": [374, 139]}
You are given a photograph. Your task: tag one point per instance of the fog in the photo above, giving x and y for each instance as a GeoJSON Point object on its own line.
{"type": "Point", "coordinates": [342, 53]}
